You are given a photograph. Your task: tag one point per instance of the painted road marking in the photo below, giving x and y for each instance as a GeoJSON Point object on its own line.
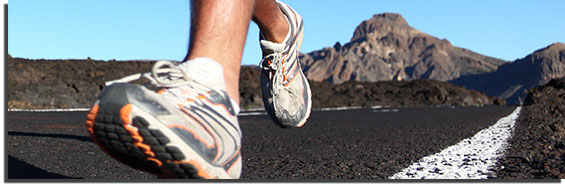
{"type": "Point", "coordinates": [50, 110]}
{"type": "Point", "coordinates": [252, 113]}
{"type": "Point", "coordinates": [246, 112]}
{"type": "Point", "coordinates": [471, 158]}
{"type": "Point", "coordinates": [340, 108]}
{"type": "Point", "coordinates": [386, 110]}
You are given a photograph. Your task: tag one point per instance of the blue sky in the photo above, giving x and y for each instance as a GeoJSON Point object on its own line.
{"type": "Point", "coordinates": [151, 29]}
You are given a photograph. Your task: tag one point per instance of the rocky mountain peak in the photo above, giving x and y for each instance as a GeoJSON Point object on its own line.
{"type": "Point", "coordinates": [551, 55]}
{"type": "Point", "coordinates": [556, 45]}
{"type": "Point", "coordinates": [556, 51]}
{"type": "Point", "coordinates": [385, 47]}
{"type": "Point", "coordinates": [550, 59]}
{"type": "Point", "coordinates": [555, 48]}
{"type": "Point", "coordinates": [381, 24]}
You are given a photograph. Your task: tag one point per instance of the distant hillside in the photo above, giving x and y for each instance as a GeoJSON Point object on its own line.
{"type": "Point", "coordinates": [385, 47]}
{"type": "Point", "coordinates": [512, 80]}
{"type": "Point", "coordinates": [62, 83]}
{"type": "Point", "coordinates": [76, 83]}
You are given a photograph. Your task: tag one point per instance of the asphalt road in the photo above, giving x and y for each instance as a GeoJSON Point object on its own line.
{"type": "Point", "coordinates": [345, 144]}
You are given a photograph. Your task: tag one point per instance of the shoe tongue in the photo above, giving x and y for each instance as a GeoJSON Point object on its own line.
{"type": "Point", "coordinates": [205, 71]}
{"type": "Point", "coordinates": [271, 47]}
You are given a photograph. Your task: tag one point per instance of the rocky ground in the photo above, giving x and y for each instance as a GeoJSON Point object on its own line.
{"type": "Point", "coordinates": [76, 83]}
{"type": "Point", "coordinates": [385, 93]}
{"type": "Point", "coordinates": [537, 149]}
{"type": "Point", "coordinates": [62, 83]}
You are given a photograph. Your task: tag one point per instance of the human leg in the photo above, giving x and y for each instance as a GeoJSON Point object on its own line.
{"type": "Point", "coordinates": [218, 31]}
{"type": "Point", "coordinates": [271, 20]}
{"type": "Point", "coordinates": [285, 90]}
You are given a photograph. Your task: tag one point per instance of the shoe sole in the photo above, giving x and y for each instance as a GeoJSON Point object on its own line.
{"type": "Point", "coordinates": [139, 140]}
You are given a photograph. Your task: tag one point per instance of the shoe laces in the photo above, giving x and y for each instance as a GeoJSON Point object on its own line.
{"type": "Point", "coordinates": [275, 63]}
{"type": "Point", "coordinates": [166, 75]}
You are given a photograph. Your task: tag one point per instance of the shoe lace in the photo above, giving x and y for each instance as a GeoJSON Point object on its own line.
{"type": "Point", "coordinates": [164, 75]}
{"type": "Point", "coordinates": [274, 63]}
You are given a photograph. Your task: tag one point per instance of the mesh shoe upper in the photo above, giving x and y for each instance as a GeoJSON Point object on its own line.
{"type": "Point", "coordinates": [285, 89]}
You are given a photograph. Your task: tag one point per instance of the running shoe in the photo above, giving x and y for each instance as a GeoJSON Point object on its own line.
{"type": "Point", "coordinates": [285, 89]}
{"type": "Point", "coordinates": [181, 125]}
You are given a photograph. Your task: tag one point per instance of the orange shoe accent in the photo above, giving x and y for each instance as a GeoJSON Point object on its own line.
{"type": "Point", "coordinates": [158, 162]}
{"type": "Point", "coordinates": [284, 76]}
{"type": "Point", "coordinates": [185, 112]}
{"type": "Point", "coordinates": [125, 112]}
{"type": "Point", "coordinates": [216, 104]}
{"type": "Point", "coordinates": [233, 156]}
{"type": "Point", "coordinates": [236, 161]}
{"type": "Point", "coordinates": [90, 117]}
{"type": "Point", "coordinates": [291, 72]}
{"type": "Point", "coordinates": [302, 124]}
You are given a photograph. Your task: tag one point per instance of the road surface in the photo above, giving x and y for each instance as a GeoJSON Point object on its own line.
{"type": "Point", "coordinates": [340, 144]}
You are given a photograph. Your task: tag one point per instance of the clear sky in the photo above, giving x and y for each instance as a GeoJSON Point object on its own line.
{"type": "Point", "coordinates": [152, 29]}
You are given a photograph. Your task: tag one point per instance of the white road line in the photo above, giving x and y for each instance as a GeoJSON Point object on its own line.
{"type": "Point", "coordinates": [87, 109]}
{"type": "Point", "coordinates": [253, 110]}
{"type": "Point", "coordinates": [386, 110]}
{"type": "Point", "coordinates": [252, 113]}
{"type": "Point", "coordinates": [471, 158]}
{"type": "Point", "coordinates": [340, 108]}
{"type": "Point", "coordinates": [247, 112]}
{"type": "Point", "coordinates": [50, 110]}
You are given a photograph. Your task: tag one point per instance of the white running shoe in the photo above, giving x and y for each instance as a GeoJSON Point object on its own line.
{"type": "Point", "coordinates": [285, 89]}
{"type": "Point", "coordinates": [186, 129]}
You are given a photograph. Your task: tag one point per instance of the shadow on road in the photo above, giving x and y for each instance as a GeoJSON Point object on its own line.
{"type": "Point", "coordinates": [18, 169]}
{"type": "Point", "coordinates": [66, 136]}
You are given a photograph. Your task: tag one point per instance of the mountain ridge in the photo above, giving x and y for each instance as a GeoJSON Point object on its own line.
{"type": "Point", "coordinates": [386, 47]}
{"type": "Point", "coordinates": [512, 80]}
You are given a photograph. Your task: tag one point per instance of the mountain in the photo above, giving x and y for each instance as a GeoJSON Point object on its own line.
{"type": "Point", "coordinates": [511, 80]}
{"type": "Point", "coordinates": [385, 47]}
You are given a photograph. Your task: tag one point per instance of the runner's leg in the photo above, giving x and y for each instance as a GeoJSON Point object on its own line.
{"type": "Point", "coordinates": [218, 31]}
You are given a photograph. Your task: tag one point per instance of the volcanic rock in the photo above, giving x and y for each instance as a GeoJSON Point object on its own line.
{"type": "Point", "coordinates": [385, 47]}
{"type": "Point", "coordinates": [537, 147]}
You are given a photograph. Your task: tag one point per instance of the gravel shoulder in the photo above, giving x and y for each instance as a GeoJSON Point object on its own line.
{"type": "Point", "coordinates": [537, 148]}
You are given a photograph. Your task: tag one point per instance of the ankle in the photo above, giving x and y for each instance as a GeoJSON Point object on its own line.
{"type": "Point", "coordinates": [276, 31]}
